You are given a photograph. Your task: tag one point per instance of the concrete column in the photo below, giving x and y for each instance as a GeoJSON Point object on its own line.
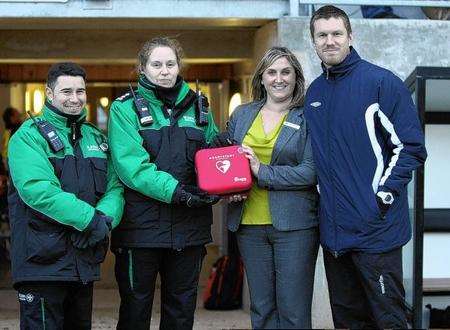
{"type": "Point", "coordinates": [321, 310]}
{"type": "Point", "coordinates": [265, 37]}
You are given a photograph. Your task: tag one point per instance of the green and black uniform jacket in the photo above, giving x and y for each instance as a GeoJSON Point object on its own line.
{"type": "Point", "coordinates": [54, 195]}
{"type": "Point", "coordinates": [151, 161]}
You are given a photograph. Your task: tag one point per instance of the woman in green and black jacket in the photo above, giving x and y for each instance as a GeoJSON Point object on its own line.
{"type": "Point", "coordinates": [154, 133]}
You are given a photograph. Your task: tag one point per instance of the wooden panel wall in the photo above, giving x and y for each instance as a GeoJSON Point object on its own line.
{"type": "Point", "coordinates": [110, 73]}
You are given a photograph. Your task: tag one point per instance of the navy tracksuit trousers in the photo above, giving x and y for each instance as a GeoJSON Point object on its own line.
{"type": "Point", "coordinates": [366, 290]}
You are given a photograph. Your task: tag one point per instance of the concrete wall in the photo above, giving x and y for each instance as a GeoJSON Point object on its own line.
{"type": "Point", "coordinates": [145, 8]}
{"type": "Point", "coordinates": [398, 45]}
{"type": "Point", "coordinates": [265, 37]}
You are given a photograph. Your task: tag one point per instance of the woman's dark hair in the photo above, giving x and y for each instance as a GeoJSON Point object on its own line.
{"type": "Point", "coordinates": [258, 90]}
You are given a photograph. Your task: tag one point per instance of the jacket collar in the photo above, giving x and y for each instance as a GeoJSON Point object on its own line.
{"type": "Point", "coordinates": [295, 116]}
{"type": "Point", "coordinates": [248, 116]}
{"type": "Point", "coordinates": [154, 93]}
{"type": "Point", "coordinates": [59, 119]}
{"type": "Point", "coordinates": [348, 64]}
{"type": "Point", "coordinates": [292, 123]}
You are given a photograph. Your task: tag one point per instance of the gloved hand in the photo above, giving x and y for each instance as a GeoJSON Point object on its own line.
{"type": "Point", "coordinates": [192, 196]}
{"type": "Point", "coordinates": [384, 201]}
{"type": "Point", "coordinates": [97, 230]}
{"type": "Point", "coordinates": [221, 140]}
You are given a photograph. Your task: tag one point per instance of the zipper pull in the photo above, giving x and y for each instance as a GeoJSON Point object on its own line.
{"type": "Point", "coordinates": [73, 128]}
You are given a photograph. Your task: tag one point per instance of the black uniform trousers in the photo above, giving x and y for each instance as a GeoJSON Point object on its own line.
{"type": "Point", "coordinates": [55, 305]}
{"type": "Point", "coordinates": [366, 290]}
{"type": "Point", "coordinates": [136, 271]}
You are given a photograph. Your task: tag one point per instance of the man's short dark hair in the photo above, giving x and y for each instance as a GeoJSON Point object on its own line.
{"type": "Point", "coordinates": [64, 69]}
{"type": "Point", "coordinates": [327, 12]}
{"type": "Point", "coordinates": [7, 114]}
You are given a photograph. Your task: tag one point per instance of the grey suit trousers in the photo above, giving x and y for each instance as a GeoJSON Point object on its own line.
{"type": "Point", "coordinates": [280, 269]}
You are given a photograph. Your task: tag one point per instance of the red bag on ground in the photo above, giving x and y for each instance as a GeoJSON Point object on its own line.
{"type": "Point", "coordinates": [223, 171]}
{"type": "Point", "coordinates": [224, 287]}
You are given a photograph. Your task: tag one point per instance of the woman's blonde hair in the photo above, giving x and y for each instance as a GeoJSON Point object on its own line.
{"type": "Point", "coordinates": [274, 53]}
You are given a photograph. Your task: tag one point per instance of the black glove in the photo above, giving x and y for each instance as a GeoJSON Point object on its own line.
{"type": "Point", "coordinates": [97, 230]}
{"type": "Point", "coordinates": [222, 140]}
{"type": "Point", "coordinates": [192, 196]}
{"type": "Point", "coordinates": [384, 201]}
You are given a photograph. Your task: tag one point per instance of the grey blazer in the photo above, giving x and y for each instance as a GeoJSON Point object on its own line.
{"type": "Point", "coordinates": [290, 177]}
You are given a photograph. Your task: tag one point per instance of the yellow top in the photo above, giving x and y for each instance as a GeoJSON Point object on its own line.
{"type": "Point", "coordinates": [256, 206]}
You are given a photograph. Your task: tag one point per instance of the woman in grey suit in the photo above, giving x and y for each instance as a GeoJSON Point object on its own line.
{"type": "Point", "coordinates": [276, 226]}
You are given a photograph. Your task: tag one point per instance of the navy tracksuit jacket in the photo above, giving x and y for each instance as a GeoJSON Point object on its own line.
{"type": "Point", "coordinates": [366, 137]}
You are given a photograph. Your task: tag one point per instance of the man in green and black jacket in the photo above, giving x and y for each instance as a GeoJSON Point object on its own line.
{"type": "Point", "coordinates": [64, 199]}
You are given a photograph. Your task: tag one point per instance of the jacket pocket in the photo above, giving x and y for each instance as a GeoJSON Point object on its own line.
{"type": "Point", "coordinates": [152, 142]}
{"type": "Point", "coordinates": [99, 171]}
{"type": "Point", "coordinates": [376, 208]}
{"type": "Point", "coordinates": [140, 211]}
{"type": "Point", "coordinates": [283, 204]}
{"type": "Point", "coordinates": [203, 216]}
{"type": "Point", "coordinates": [195, 140]}
{"type": "Point", "coordinates": [45, 247]}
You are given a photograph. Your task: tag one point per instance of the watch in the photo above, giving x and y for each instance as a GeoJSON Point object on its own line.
{"type": "Point", "coordinates": [386, 197]}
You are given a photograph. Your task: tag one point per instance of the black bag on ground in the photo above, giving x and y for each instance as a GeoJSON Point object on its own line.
{"type": "Point", "coordinates": [224, 286]}
{"type": "Point", "coordinates": [439, 318]}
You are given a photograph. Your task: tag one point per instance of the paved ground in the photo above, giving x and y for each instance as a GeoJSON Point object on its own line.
{"type": "Point", "coordinates": [106, 303]}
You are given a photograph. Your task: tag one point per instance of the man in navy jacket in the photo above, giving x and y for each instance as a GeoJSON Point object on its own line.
{"type": "Point", "coordinates": [366, 140]}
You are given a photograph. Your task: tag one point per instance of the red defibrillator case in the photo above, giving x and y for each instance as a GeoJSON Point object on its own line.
{"type": "Point", "coordinates": [223, 171]}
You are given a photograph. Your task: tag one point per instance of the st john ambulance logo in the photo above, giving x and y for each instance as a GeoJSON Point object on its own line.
{"type": "Point", "coordinates": [28, 297]}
